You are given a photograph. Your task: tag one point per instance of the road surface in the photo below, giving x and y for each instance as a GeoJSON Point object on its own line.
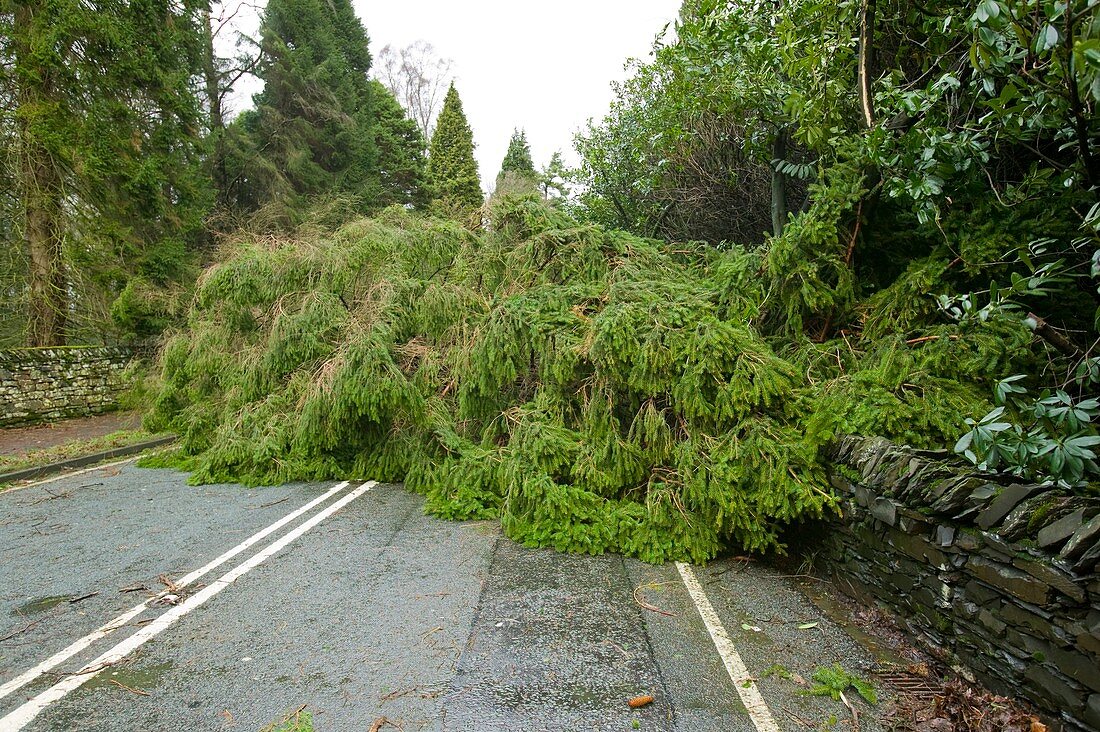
{"type": "Point", "coordinates": [132, 601]}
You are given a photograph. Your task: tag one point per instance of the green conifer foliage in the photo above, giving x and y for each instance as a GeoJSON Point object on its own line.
{"type": "Point", "coordinates": [594, 390]}
{"type": "Point", "coordinates": [452, 169]}
{"type": "Point", "coordinates": [400, 149]}
{"type": "Point", "coordinates": [311, 128]}
{"type": "Point", "coordinates": [518, 158]}
{"type": "Point", "coordinates": [101, 132]}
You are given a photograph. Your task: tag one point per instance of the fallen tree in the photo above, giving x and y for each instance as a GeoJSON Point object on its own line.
{"type": "Point", "coordinates": [594, 390]}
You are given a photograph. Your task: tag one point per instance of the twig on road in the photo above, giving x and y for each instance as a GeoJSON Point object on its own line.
{"type": "Point", "coordinates": [74, 600]}
{"type": "Point", "coordinates": [22, 630]}
{"type": "Point", "coordinates": [800, 720]}
{"type": "Point", "coordinates": [397, 694]}
{"type": "Point", "coordinates": [52, 496]}
{"type": "Point", "coordinates": [169, 584]}
{"type": "Point", "coordinates": [855, 714]}
{"type": "Point", "coordinates": [119, 684]}
{"type": "Point", "coordinates": [273, 503]}
{"type": "Point", "coordinates": [83, 671]}
{"type": "Point", "coordinates": [645, 605]}
{"type": "Point", "coordinates": [296, 715]}
{"type": "Point", "coordinates": [616, 646]}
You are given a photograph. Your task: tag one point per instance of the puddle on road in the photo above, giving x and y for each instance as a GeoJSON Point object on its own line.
{"type": "Point", "coordinates": [40, 605]}
{"type": "Point", "coordinates": [142, 679]}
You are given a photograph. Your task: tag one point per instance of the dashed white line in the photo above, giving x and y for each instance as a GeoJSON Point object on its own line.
{"type": "Point", "coordinates": [746, 687]}
{"type": "Point", "coordinates": [23, 715]}
{"type": "Point", "coordinates": [104, 630]}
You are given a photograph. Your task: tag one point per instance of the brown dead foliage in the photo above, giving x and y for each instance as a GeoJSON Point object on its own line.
{"type": "Point", "coordinates": [961, 707]}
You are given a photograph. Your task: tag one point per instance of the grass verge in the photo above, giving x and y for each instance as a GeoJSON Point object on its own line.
{"type": "Point", "coordinates": [73, 449]}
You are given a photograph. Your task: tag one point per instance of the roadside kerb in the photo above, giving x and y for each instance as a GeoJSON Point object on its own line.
{"type": "Point", "coordinates": [83, 461]}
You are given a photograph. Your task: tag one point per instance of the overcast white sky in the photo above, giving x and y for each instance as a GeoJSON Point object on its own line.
{"type": "Point", "coordinates": [544, 66]}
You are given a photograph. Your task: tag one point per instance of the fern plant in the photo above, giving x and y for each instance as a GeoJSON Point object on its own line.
{"type": "Point", "coordinates": [833, 681]}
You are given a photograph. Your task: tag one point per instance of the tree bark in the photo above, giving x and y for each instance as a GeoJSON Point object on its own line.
{"type": "Point", "coordinates": [866, 47]}
{"type": "Point", "coordinates": [41, 192]}
{"type": "Point", "coordinates": [1080, 119]}
{"type": "Point", "coordinates": [780, 212]}
{"type": "Point", "coordinates": [213, 82]}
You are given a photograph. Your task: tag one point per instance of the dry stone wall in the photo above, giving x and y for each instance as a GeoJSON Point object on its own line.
{"type": "Point", "coordinates": [999, 578]}
{"type": "Point", "coordinates": [44, 384]}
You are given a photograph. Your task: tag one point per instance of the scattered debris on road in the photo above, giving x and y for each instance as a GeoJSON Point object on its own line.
{"type": "Point", "coordinates": [74, 600]}
{"type": "Point", "coordinates": [645, 605]}
{"type": "Point", "coordinates": [961, 707]}
{"type": "Point", "coordinates": [139, 692]}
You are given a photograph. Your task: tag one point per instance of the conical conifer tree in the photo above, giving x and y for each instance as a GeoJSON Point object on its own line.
{"type": "Point", "coordinates": [518, 158]}
{"type": "Point", "coordinates": [452, 169]}
{"type": "Point", "coordinates": [312, 122]}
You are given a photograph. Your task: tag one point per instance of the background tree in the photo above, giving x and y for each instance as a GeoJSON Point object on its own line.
{"type": "Point", "coordinates": [685, 151]}
{"type": "Point", "coordinates": [104, 151]}
{"type": "Point", "coordinates": [554, 179]}
{"type": "Point", "coordinates": [219, 76]}
{"type": "Point", "coordinates": [517, 159]}
{"type": "Point", "coordinates": [452, 169]}
{"type": "Point", "coordinates": [418, 79]}
{"type": "Point", "coordinates": [400, 146]}
{"type": "Point", "coordinates": [310, 129]}
{"type": "Point", "coordinates": [517, 171]}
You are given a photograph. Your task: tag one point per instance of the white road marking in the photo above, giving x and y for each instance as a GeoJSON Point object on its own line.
{"type": "Point", "coordinates": [104, 630]}
{"type": "Point", "coordinates": [744, 683]}
{"type": "Point", "coordinates": [23, 715]}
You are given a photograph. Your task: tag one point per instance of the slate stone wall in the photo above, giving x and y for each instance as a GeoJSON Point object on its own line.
{"type": "Point", "coordinates": [997, 577]}
{"type": "Point", "coordinates": [44, 384]}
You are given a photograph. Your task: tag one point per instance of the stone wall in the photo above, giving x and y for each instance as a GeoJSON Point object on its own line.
{"type": "Point", "coordinates": [998, 578]}
{"type": "Point", "coordinates": [44, 384]}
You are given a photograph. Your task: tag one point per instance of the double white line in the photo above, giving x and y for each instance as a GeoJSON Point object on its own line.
{"type": "Point", "coordinates": [23, 715]}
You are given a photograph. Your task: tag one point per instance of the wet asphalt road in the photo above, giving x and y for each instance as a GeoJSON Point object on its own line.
{"type": "Point", "coordinates": [380, 611]}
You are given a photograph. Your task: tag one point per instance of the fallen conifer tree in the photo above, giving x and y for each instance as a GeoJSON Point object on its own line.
{"type": "Point", "coordinates": [594, 390]}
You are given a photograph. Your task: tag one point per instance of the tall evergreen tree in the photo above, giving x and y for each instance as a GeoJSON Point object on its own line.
{"type": "Point", "coordinates": [310, 130]}
{"type": "Point", "coordinates": [518, 158]}
{"type": "Point", "coordinates": [452, 170]}
{"type": "Point", "coordinates": [106, 151]}
{"type": "Point", "coordinates": [400, 148]}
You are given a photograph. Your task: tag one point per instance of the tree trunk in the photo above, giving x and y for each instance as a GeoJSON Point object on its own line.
{"type": "Point", "coordinates": [780, 212]}
{"type": "Point", "coordinates": [213, 83]}
{"type": "Point", "coordinates": [866, 48]}
{"type": "Point", "coordinates": [41, 193]}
